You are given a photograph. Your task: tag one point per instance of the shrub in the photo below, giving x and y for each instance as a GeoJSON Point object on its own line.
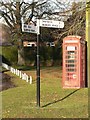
{"type": "Point", "coordinates": [9, 54]}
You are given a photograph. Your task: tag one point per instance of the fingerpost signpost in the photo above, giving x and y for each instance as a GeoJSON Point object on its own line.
{"type": "Point", "coordinates": [35, 29]}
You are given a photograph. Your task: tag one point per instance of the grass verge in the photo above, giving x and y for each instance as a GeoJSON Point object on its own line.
{"type": "Point", "coordinates": [56, 102]}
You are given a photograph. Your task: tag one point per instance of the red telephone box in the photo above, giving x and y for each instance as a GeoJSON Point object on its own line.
{"type": "Point", "coordinates": [73, 62]}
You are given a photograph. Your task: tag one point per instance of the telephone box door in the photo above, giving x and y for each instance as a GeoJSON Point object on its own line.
{"type": "Point", "coordinates": [70, 65]}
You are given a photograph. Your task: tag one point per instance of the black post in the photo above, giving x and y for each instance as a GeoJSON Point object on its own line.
{"type": "Point", "coordinates": [38, 72]}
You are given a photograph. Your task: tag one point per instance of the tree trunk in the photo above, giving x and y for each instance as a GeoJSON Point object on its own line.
{"type": "Point", "coordinates": [21, 58]}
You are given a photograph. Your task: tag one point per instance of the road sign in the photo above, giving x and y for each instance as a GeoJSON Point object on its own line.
{"type": "Point", "coordinates": [51, 23]}
{"type": "Point", "coordinates": [29, 28]}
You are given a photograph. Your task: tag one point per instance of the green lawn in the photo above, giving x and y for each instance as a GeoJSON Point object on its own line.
{"type": "Point", "coordinates": [56, 102]}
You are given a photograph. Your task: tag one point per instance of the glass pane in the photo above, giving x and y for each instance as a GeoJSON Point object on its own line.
{"type": "Point", "coordinates": [70, 61]}
{"type": "Point", "coordinates": [71, 65]}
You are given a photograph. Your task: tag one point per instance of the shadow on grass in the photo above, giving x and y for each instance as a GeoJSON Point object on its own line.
{"type": "Point", "coordinates": [61, 98]}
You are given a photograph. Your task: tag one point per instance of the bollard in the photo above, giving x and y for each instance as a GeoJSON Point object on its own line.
{"type": "Point", "coordinates": [22, 76]}
{"type": "Point", "coordinates": [25, 76]}
{"type": "Point", "coordinates": [10, 69]}
{"type": "Point", "coordinates": [20, 73]}
{"type": "Point", "coordinates": [30, 80]}
{"type": "Point", "coordinates": [14, 71]}
{"type": "Point", "coordinates": [17, 72]}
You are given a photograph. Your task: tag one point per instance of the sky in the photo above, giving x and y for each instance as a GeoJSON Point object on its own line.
{"type": "Point", "coordinates": [43, 0]}
{"type": "Point", "coordinates": [62, 0]}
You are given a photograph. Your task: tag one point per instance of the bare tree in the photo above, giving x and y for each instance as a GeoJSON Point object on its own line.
{"type": "Point", "coordinates": [12, 13]}
{"type": "Point", "coordinates": [74, 23]}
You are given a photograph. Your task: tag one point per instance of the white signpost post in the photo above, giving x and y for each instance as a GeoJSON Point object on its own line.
{"type": "Point", "coordinates": [35, 29]}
